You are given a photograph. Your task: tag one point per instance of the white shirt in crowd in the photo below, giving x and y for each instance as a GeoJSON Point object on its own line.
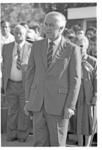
{"type": "Point", "coordinates": [16, 74]}
{"type": "Point", "coordinates": [5, 40]}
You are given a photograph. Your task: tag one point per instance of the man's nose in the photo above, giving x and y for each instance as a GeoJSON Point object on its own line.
{"type": "Point", "coordinates": [18, 35]}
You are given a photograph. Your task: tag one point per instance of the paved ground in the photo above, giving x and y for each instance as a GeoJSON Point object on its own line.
{"type": "Point", "coordinates": [29, 143]}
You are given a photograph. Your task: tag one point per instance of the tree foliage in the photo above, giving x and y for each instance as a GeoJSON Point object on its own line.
{"type": "Point", "coordinates": [34, 12]}
{"type": "Point", "coordinates": [21, 12]}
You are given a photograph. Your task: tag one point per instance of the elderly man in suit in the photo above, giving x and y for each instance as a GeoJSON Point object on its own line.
{"type": "Point", "coordinates": [15, 59]}
{"type": "Point", "coordinates": [52, 83]}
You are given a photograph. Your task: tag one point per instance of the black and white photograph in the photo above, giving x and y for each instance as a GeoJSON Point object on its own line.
{"type": "Point", "coordinates": [48, 74]}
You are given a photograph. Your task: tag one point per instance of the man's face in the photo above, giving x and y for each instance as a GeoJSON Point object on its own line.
{"type": "Point", "coordinates": [80, 35]}
{"type": "Point", "coordinates": [52, 27]}
{"type": "Point", "coordinates": [20, 34]}
{"type": "Point", "coordinates": [5, 28]}
{"type": "Point", "coordinates": [90, 34]}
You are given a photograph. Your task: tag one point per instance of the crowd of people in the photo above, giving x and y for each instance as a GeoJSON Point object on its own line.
{"type": "Point", "coordinates": [90, 35]}
{"type": "Point", "coordinates": [50, 78]}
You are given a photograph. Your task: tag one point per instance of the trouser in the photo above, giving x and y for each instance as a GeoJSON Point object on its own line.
{"type": "Point", "coordinates": [49, 130]}
{"type": "Point", "coordinates": [4, 110]}
{"type": "Point", "coordinates": [17, 122]}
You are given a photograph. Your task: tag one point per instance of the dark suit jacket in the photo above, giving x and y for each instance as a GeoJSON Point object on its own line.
{"type": "Point", "coordinates": [7, 62]}
{"type": "Point", "coordinates": [58, 86]}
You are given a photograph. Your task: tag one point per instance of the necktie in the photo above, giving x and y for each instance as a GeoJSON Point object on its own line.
{"type": "Point", "coordinates": [18, 62]}
{"type": "Point", "coordinates": [49, 54]}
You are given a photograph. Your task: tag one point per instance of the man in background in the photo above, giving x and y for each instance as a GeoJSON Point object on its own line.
{"type": "Point", "coordinates": [15, 59]}
{"type": "Point", "coordinates": [5, 38]}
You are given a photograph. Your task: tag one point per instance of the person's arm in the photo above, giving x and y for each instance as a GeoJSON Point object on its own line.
{"type": "Point", "coordinates": [94, 98]}
{"type": "Point", "coordinates": [2, 70]}
{"type": "Point", "coordinates": [29, 77]}
{"type": "Point", "coordinates": [29, 74]}
{"type": "Point", "coordinates": [74, 82]}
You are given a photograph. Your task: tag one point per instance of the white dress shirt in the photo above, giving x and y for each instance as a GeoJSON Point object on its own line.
{"type": "Point", "coordinates": [5, 40]}
{"type": "Point", "coordinates": [16, 74]}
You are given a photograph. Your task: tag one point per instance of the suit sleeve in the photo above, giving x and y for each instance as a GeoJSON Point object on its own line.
{"type": "Point", "coordinates": [2, 68]}
{"type": "Point", "coordinates": [95, 80]}
{"type": "Point", "coordinates": [74, 78]}
{"type": "Point", "coordinates": [29, 74]}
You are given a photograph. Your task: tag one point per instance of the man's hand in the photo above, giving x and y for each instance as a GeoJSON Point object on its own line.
{"type": "Point", "coordinates": [94, 100]}
{"type": "Point", "coordinates": [26, 109]}
{"type": "Point", "coordinates": [68, 113]}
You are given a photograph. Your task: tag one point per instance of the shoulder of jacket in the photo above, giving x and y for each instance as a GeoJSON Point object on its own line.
{"type": "Point", "coordinates": [9, 44]}
{"type": "Point", "coordinates": [38, 42]}
{"type": "Point", "coordinates": [72, 45]}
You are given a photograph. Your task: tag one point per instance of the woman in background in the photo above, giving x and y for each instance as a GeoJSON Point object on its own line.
{"type": "Point", "coordinates": [87, 95]}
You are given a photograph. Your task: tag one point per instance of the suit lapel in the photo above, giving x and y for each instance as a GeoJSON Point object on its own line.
{"type": "Point", "coordinates": [44, 47]}
{"type": "Point", "coordinates": [9, 53]}
{"type": "Point", "coordinates": [25, 50]}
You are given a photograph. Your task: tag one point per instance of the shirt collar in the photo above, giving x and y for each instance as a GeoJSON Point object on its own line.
{"type": "Point", "coordinates": [56, 42]}
{"type": "Point", "coordinates": [21, 44]}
